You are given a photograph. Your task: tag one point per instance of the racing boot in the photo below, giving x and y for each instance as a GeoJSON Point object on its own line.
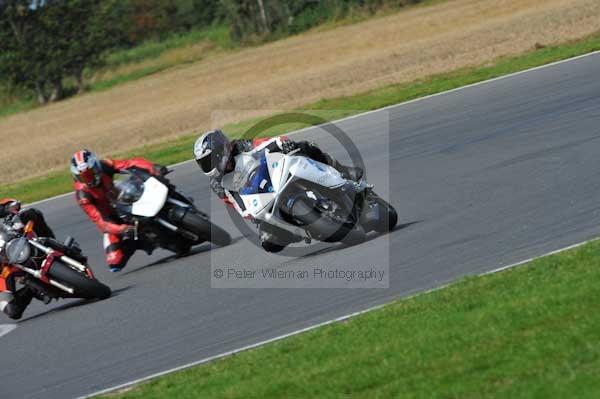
{"type": "Point", "coordinates": [145, 246]}
{"type": "Point", "coordinates": [40, 296]}
{"type": "Point", "coordinates": [182, 248]}
{"type": "Point", "coordinates": [314, 152]}
{"type": "Point", "coordinates": [15, 306]}
{"type": "Point", "coordinates": [348, 172]}
{"type": "Point", "coordinates": [37, 289]}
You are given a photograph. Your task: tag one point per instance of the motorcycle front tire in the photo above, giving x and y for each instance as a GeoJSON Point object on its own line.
{"type": "Point", "coordinates": [84, 286]}
{"type": "Point", "coordinates": [206, 230]}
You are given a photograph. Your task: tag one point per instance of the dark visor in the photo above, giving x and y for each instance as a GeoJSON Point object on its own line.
{"type": "Point", "coordinates": [205, 163]}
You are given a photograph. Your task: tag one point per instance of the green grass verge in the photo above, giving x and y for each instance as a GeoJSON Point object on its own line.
{"type": "Point", "coordinates": [529, 332]}
{"type": "Point", "coordinates": [329, 109]}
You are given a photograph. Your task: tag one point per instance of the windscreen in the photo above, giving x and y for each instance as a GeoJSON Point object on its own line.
{"type": "Point", "coordinates": [130, 190]}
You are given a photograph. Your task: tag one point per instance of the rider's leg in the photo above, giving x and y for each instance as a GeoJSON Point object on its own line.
{"type": "Point", "coordinates": [312, 151]}
{"type": "Point", "coordinates": [118, 251]}
{"type": "Point", "coordinates": [181, 247]}
{"type": "Point", "coordinates": [13, 305]}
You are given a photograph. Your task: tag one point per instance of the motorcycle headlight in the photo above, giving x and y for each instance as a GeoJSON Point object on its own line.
{"type": "Point", "coordinates": [17, 250]}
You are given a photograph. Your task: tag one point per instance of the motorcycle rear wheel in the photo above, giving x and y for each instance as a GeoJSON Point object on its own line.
{"type": "Point", "coordinates": [84, 286]}
{"type": "Point", "coordinates": [324, 227]}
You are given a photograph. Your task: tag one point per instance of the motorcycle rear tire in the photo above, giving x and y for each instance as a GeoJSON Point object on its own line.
{"type": "Point", "coordinates": [84, 286]}
{"type": "Point", "coordinates": [324, 227]}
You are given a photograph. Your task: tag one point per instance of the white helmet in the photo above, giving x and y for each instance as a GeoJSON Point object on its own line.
{"type": "Point", "coordinates": [212, 151]}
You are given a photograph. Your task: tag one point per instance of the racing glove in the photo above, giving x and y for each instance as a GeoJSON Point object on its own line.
{"type": "Point", "coordinates": [127, 230]}
{"type": "Point", "coordinates": [159, 170]}
{"type": "Point", "coordinates": [288, 146]}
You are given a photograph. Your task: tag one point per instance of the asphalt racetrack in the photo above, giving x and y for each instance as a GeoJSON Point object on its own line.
{"type": "Point", "coordinates": [481, 177]}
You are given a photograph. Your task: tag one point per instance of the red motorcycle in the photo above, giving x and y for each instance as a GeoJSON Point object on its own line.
{"type": "Point", "coordinates": [51, 268]}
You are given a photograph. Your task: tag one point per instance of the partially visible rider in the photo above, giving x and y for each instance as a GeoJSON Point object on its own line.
{"type": "Point", "coordinates": [13, 301]}
{"type": "Point", "coordinates": [94, 191]}
{"type": "Point", "coordinates": [215, 154]}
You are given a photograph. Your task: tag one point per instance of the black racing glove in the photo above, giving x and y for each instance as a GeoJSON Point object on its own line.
{"type": "Point", "coordinates": [160, 170]}
{"type": "Point", "coordinates": [288, 146]}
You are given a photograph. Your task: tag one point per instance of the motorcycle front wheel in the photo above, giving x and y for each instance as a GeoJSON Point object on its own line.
{"type": "Point", "coordinates": [206, 230]}
{"type": "Point", "coordinates": [84, 286]}
{"type": "Point", "coordinates": [388, 217]}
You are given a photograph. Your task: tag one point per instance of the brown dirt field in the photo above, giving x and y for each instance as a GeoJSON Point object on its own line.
{"type": "Point", "coordinates": [413, 43]}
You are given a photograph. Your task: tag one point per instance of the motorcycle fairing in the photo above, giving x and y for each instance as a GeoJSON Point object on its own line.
{"type": "Point", "coordinates": [152, 200]}
{"type": "Point", "coordinates": [256, 203]}
{"type": "Point", "coordinates": [282, 169]}
{"type": "Point", "coordinates": [301, 167]}
{"type": "Point", "coordinates": [259, 180]}
{"type": "Point", "coordinates": [245, 164]}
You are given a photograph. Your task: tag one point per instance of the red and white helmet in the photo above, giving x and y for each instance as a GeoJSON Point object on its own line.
{"type": "Point", "coordinates": [10, 205]}
{"type": "Point", "coordinates": [86, 168]}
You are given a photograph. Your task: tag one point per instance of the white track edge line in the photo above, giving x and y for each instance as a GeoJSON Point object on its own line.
{"type": "Point", "coordinates": [393, 106]}
{"type": "Point", "coordinates": [6, 328]}
{"type": "Point", "coordinates": [318, 325]}
{"type": "Point", "coordinates": [573, 246]}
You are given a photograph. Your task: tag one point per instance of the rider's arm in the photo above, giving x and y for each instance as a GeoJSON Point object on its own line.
{"type": "Point", "coordinates": [215, 185]}
{"type": "Point", "coordinates": [237, 204]}
{"type": "Point", "coordinates": [275, 144]}
{"type": "Point", "coordinates": [217, 188]}
{"type": "Point", "coordinates": [227, 197]}
{"type": "Point", "coordinates": [118, 165]}
{"type": "Point", "coordinates": [86, 203]}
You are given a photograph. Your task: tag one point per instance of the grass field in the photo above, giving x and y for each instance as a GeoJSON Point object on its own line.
{"type": "Point", "coordinates": [177, 150]}
{"type": "Point", "coordinates": [286, 74]}
{"type": "Point", "coordinates": [528, 332]}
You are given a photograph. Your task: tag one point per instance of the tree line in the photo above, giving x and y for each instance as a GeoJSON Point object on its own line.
{"type": "Point", "coordinates": [42, 42]}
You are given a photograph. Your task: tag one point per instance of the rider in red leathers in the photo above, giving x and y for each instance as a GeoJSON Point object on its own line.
{"type": "Point", "coordinates": [94, 193]}
{"type": "Point", "coordinates": [13, 301]}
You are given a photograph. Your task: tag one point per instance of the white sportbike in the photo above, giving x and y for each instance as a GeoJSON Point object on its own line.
{"type": "Point", "coordinates": [163, 217]}
{"type": "Point", "coordinates": [294, 198]}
